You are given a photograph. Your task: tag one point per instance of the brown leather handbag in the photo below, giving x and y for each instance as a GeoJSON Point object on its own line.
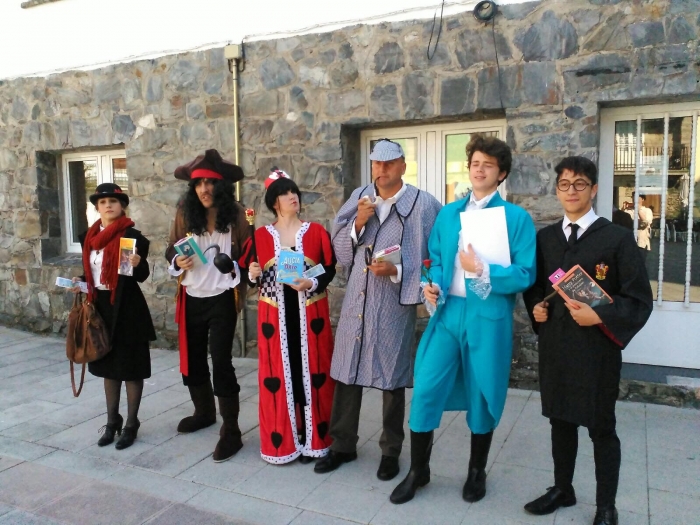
{"type": "Point", "coordinates": [87, 339]}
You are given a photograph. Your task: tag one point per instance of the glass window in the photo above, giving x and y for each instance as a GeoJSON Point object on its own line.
{"type": "Point", "coordinates": [82, 174]}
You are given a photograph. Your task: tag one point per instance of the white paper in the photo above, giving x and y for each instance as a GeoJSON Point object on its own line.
{"type": "Point", "coordinates": [486, 230]}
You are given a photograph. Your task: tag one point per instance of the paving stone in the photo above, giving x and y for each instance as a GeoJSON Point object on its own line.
{"type": "Point", "coordinates": [8, 462]}
{"type": "Point", "coordinates": [20, 517]}
{"type": "Point", "coordinates": [114, 505]}
{"type": "Point", "coordinates": [583, 514]}
{"type": "Point", "coordinates": [226, 476]}
{"type": "Point", "coordinates": [29, 486]}
{"type": "Point", "coordinates": [666, 508]}
{"type": "Point", "coordinates": [245, 508]}
{"type": "Point", "coordinates": [22, 449]}
{"type": "Point", "coordinates": [345, 501]}
{"type": "Point", "coordinates": [34, 430]}
{"type": "Point", "coordinates": [164, 487]}
{"type": "Point", "coordinates": [25, 412]}
{"type": "Point", "coordinates": [86, 466]}
{"type": "Point", "coordinates": [121, 456]}
{"type": "Point", "coordinates": [186, 515]}
{"type": "Point", "coordinates": [177, 454]}
{"type": "Point", "coordinates": [286, 484]}
{"type": "Point", "coordinates": [314, 518]}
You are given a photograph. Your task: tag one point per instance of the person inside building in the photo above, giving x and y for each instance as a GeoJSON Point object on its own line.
{"type": "Point", "coordinates": [376, 332]}
{"type": "Point", "coordinates": [208, 300]}
{"type": "Point", "coordinates": [644, 220]}
{"type": "Point", "coordinates": [295, 340]}
{"type": "Point", "coordinates": [464, 357]}
{"type": "Point", "coordinates": [121, 304]}
{"type": "Point", "coordinates": [580, 347]}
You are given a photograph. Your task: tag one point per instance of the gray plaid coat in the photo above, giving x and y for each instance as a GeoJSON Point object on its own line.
{"type": "Point", "coordinates": [375, 335]}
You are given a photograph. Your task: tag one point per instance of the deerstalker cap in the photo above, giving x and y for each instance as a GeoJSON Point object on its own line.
{"type": "Point", "coordinates": [385, 150]}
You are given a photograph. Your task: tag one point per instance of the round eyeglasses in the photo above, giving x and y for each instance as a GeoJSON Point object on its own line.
{"type": "Point", "coordinates": [579, 185]}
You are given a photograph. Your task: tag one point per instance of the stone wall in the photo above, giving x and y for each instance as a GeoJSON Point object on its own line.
{"type": "Point", "coordinates": [304, 101]}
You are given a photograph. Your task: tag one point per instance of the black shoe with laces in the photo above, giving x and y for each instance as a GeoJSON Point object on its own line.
{"type": "Point", "coordinates": [128, 436]}
{"type": "Point", "coordinates": [109, 430]}
{"type": "Point", "coordinates": [333, 460]}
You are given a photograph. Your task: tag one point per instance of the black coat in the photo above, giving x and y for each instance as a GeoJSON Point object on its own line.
{"type": "Point", "coordinates": [132, 321]}
{"type": "Point", "coordinates": [580, 366]}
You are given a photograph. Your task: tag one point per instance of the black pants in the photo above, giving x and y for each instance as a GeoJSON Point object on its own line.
{"type": "Point", "coordinates": [211, 324]}
{"type": "Point", "coordinates": [345, 419]}
{"type": "Point", "coordinates": [606, 453]}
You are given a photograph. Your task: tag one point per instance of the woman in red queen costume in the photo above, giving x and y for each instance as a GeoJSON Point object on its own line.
{"type": "Point", "coordinates": [295, 342]}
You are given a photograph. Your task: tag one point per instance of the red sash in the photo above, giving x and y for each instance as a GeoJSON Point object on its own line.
{"type": "Point", "coordinates": [182, 329]}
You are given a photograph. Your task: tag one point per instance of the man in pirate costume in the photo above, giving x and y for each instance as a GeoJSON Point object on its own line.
{"type": "Point", "coordinates": [207, 306]}
{"type": "Point", "coordinates": [375, 336]}
{"type": "Point", "coordinates": [295, 341]}
{"type": "Point", "coordinates": [580, 348]}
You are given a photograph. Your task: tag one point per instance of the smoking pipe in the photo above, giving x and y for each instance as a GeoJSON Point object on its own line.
{"type": "Point", "coordinates": [222, 261]}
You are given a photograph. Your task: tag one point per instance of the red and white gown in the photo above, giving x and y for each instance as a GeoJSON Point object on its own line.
{"type": "Point", "coordinates": [295, 347]}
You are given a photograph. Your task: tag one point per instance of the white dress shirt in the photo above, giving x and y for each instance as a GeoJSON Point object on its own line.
{"type": "Point", "coordinates": [382, 210]}
{"type": "Point", "coordinates": [583, 223]}
{"type": "Point", "coordinates": [457, 287]}
{"type": "Point", "coordinates": [96, 267]}
{"type": "Point", "coordinates": [205, 280]}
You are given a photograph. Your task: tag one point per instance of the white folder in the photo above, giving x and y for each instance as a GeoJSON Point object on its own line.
{"type": "Point", "coordinates": [486, 230]}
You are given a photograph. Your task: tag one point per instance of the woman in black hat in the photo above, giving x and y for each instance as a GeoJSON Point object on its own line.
{"type": "Point", "coordinates": [123, 307]}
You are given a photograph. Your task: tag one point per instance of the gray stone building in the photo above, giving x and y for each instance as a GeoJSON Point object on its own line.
{"type": "Point", "coordinates": [552, 78]}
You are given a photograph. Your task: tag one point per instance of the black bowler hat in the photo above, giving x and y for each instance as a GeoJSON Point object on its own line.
{"type": "Point", "coordinates": [210, 166]}
{"type": "Point", "coordinates": [108, 189]}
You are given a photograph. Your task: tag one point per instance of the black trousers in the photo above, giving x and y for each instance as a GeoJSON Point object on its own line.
{"type": "Point", "coordinates": [211, 324]}
{"type": "Point", "coordinates": [606, 454]}
{"type": "Point", "coordinates": [345, 419]}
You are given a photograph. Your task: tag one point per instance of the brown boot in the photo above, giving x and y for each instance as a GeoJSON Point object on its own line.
{"type": "Point", "coordinates": [230, 434]}
{"type": "Point", "coordinates": [204, 409]}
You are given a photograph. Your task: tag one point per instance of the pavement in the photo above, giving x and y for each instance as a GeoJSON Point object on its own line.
{"type": "Point", "coordinates": [52, 472]}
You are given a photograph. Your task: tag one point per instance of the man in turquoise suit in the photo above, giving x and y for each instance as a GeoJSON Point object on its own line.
{"type": "Point", "coordinates": [464, 356]}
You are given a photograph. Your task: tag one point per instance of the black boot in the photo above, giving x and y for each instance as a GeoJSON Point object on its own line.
{"type": "Point", "coordinates": [475, 486]}
{"type": "Point", "coordinates": [128, 436]}
{"type": "Point", "coordinates": [109, 430]}
{"type": "Point", "coordinates": [230, 434]}
{"type": "Point", "coordinates": [419, 475]}
{"type": "Point", "coordinates": [204, 409]}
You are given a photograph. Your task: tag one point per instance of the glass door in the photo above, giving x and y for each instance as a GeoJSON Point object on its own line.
{"type": "Point", "coordinates": [649, 183]}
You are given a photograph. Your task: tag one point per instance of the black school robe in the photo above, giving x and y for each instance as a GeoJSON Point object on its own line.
{"type": "Point", "coordinates": [579, 367]}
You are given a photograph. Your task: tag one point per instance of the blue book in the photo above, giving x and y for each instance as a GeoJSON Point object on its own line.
{"type": "Point", "coordinates": [290, 266]}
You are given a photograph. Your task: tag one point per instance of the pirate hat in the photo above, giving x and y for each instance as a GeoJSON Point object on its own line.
{"type": "Point", "coordinates": [210, 166]}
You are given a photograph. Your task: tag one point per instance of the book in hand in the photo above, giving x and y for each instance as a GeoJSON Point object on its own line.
{"type": "Point", "coordinates": [391, 254]}
{"type": "Point", "coordinates": [290, 266]}
{"type": "Point", "coordinates": [577, 285]}
{"type": "Point", "coordinates": [187, 247]}
{"type": "Point", "coordinates": [126, 247]}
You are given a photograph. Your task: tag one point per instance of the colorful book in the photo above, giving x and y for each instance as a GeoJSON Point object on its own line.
{"type": "Point", "coordinates": [577, 285]}
{"type": "Point", "coordinates": [127, 247]}
{"type": "Point", "coordinates": [290, 266]}
{"type": "Point", "coordinates": [188, 247]}
{"type": "Point", "coordinates": [391, 254]}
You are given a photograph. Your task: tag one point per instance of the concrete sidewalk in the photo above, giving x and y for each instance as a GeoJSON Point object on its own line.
{"type": "Point", "coordinates": [51, 470]}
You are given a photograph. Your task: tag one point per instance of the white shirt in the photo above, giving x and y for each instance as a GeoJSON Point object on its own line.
{"type": "Point", "coordinates": [96, 267]}
{"type": "Point", "coordinates": [382, 210]}
{"type": "Point", "coordinates": [583, 223]}
{"type": "Point", "coordinates": [205, 280]}
{"type": "Point", "coordinates": [457, 286]}
{"type": "Point", "coordinates": [643, 234]}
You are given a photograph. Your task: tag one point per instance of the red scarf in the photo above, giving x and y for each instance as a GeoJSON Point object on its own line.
{"type": "Point", "coordinates": [108, 241]}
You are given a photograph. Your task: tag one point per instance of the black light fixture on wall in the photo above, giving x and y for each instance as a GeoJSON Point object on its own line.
{"type": "Point", "coordinates": [485, 10]}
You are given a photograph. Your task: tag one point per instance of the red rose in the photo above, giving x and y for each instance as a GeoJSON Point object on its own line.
{"type": "Point", "coordinates": [427, 263]}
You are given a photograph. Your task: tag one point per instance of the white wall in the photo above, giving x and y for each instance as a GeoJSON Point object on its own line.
{"type": "Point", "coordinates": [84, 34]}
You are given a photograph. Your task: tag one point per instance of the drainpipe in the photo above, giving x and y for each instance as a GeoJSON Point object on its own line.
{"type": "Point", "coordinates": [234, 54]}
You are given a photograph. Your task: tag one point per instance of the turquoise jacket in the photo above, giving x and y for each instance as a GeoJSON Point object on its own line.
{"type": "Point", "coordinates": [490, 320]}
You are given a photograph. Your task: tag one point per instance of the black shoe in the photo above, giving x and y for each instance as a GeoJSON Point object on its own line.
{"type": "Point", "coordinates": [606, 516]}
{"type": "Point", "coordinates": [475, 487]}
{"type": "Point", "coordinates": [333, 460]}
{"type": "Point", "coordinates": [128, 436]}
{"type": "Point", "coordinates": [305, 460]}
{"type": "Point", "coordinates": [551, 501]}
{"type": "Point", "coordinates": [388, 468]}
{"type": "Point", "coordinates": [419, 473]}
{"type": "Point", "coordinates": [109, 430]}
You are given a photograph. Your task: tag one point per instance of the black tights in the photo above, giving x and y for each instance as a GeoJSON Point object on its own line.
{"type": "Point", "coordinates": [134, 391]}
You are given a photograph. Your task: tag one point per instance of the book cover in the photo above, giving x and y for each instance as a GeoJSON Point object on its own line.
{"type": "Point", "coordinates": [290, 266]}
{"type": "Point", "coordinates": [576, 284]}
{"type": "Point", "coordinates": [391, 254]}
{"type": "Point", "coordinates": [126, 247]}
{"type": "Point", "coordinates": [188, 247]}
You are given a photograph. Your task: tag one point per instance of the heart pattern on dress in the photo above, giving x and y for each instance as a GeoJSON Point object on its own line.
{"type": "Point", "coordinates": [268, 330]}
{"type": "Point", "coordinates": [317, 325]}
{"type": "Point", "coordinates": [318, 380]}
{"type": "Point", "coordinates": [276, 438]}
{"type": "Point", "coordinates": [272, 384]}
{"type": "Point", "coordinates": [322, 429]}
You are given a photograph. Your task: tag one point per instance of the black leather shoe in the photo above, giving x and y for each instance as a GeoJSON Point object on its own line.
{"type": "Point", "coordinates": [475, 486]}
{"type": "Point", "coordinates": [110, 429]}
{"type": "Point", "coordinates": [305, 460]}
{"type": "Point", "coordinates": [605, 516]}
{"type": "Point", "coordinates": [388, 468]}
{"type": "Point", "coordinates": [333, 460]}
{"type": "Point", "coordinates": [128, 436]}
{"type": "Point", "coordinates": [551, 501]}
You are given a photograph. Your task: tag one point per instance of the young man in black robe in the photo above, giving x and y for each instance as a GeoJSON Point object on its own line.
{"type": "Point", "coordinates": [580, 348]}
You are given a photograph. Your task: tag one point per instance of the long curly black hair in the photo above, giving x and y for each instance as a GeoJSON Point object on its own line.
{"type": "Point", "coordinates": [196, 213]}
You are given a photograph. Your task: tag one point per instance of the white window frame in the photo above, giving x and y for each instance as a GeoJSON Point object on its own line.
{"type": "Point", "coordinates": [430, 152]}
{"type": "Point", "coordinates": [103, 161]}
